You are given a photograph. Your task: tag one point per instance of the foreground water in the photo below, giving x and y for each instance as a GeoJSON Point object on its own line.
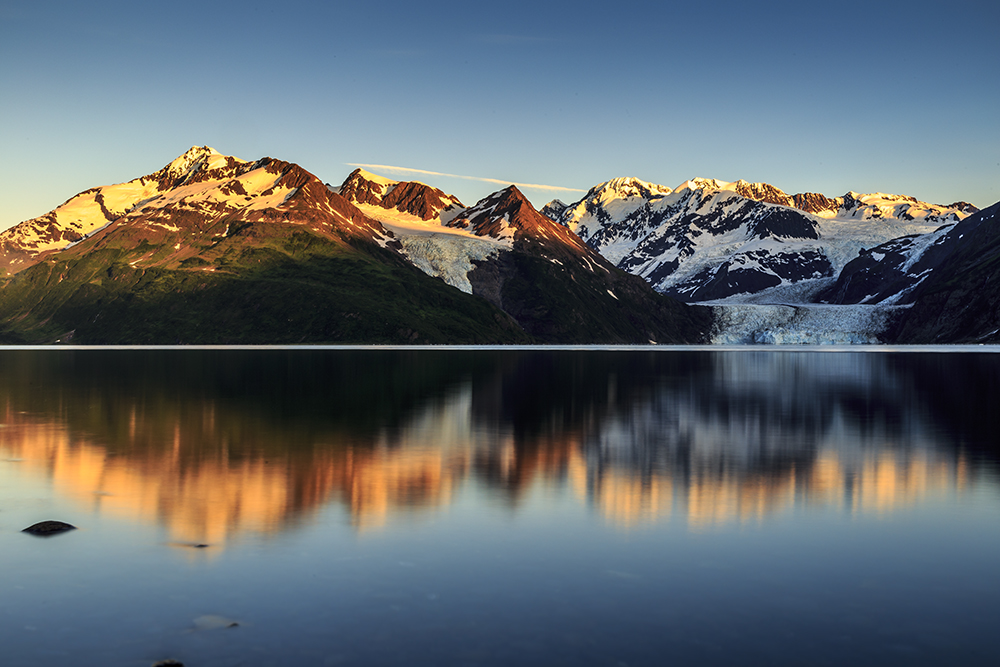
{"type": "Point", "coordinates": [378, 507]}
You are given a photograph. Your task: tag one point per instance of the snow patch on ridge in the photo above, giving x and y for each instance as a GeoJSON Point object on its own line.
{"type": "Point", "coordinates": [380, 180]}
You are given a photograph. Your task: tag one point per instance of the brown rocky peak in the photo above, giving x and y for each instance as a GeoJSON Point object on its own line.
{"type": "Point", "coordinates": [413, 197]}
{"type": "Point", "coordinates": [420, 200]}
{"type": "Point", "coordinates": [763, 192]}
{"type": "Point", "coordinates": [291, 175]}
{"type": "Point", "coordinates": [963, 206]}
{"type": "Point", "coordinates": [511, 201]}
{"type": "Point", "coordinates": [508, 213]}
{"type": "Point", "coordinates": [813, 202]}
{"type": "Point", "coordinates": [362, 187]}
{"type": "Point", "coordinates": [498, 212]}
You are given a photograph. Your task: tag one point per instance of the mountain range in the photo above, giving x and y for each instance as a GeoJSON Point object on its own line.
{"type": "Point", "coordinates": [215, 249]}
{"type": "Point", "coordinates": [708, 239]}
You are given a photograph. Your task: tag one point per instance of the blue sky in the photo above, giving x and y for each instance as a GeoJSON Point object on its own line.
{"type": "Point", "coordinates": [864, 96]}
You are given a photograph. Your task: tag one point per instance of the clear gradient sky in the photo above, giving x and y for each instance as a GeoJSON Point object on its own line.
{"type": "Point", "coordinates": [821, 97]}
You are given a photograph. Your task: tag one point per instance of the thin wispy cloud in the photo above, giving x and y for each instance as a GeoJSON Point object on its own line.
{"type": "Point", "coordinates": [396, 53]}
{"type": "Point", "coordinates": [408, 170]}
{"type": "Point", "coordinates": [514, 39]}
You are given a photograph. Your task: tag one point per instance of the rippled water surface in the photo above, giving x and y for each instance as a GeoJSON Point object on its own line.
{"type": "Point", "coordinates": [379, 507]}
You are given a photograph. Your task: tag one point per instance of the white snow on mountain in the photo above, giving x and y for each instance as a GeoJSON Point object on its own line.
{"type": "Point", "coordinates": [79, 217]}
{"type": "Point", "coordinates": [195, 159]}
{"type": "Point", "coordinates": [387, 183]}
{"type": "Point", "coordinates": [436, 249]}
{"type": "Point", "coordinates": [679, 239]}
{"type": "Point", "coordinates": [201, 181]}
{"type": "Point", "coordinates": [755, 253]}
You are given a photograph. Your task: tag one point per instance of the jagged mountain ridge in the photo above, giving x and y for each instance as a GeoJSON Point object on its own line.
{"type": "Point", "coordinates": [763, 263]}
{"type": "Point", "coordinates": [550, 277]}
{"type": "Point", "coordinates": [212, 222]}
{"type": "Point", "coordinates": [709, 239]}
{"type": "Point", "coordinates": [95, 208]}
{"type": "Point", "coordinates": [415, 216]}
{"type": "Point", "coordinates": [412, 197]}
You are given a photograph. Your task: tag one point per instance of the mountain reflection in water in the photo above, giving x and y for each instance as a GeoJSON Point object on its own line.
{"type": "Point", "coordinates": [212, 444]}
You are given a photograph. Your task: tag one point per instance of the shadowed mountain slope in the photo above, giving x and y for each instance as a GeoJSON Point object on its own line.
{"type": "Point", "coordinates": [958, 301]}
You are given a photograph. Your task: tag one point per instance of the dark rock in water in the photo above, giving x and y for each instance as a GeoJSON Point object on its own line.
{"type": "Point", "coordinates": [214, 622]}
{"type": "Point", "coordinates": [168, 663]}
{"type": "Point", "coordinates": [48, 528]}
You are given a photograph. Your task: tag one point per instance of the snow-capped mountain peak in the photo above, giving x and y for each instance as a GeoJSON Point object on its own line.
{"type": "Point", "coordinates": [618, 197]}
{"type": "Point", "coordinates": [703, 184]}
{"type": "Point", "coordinates": [364, 187]}
{"type": "Point", "coordinates": [629, 187]}
{"type": "Point", "coordinates": [711, 239]}
{"type": "Point", "coordinates": [190, 196]}
{"type": "Point", "coordinates": [498, 215]}
{"type": "Point", "coordinates": [195, 159]}
{"type": "Point", "coordinates": [508, 214]}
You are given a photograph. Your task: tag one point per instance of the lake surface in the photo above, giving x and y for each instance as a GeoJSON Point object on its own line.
{"type": "Point", "coordinates": [500, 507]}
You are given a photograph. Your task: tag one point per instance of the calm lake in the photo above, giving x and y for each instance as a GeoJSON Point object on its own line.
{"type": "Point", "coordinates": [500, 507]}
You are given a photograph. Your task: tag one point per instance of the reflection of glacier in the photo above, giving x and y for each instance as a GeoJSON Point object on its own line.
{"type": "Point", "coordinates": [713, 437]}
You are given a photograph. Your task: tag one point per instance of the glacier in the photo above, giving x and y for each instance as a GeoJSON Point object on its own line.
{"type": "Point", "coordinates": [447, 256]}
{"type": "Point", "coordinates": [799, 324]}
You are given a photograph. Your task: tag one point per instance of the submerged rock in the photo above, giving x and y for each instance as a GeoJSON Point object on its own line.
{"type": "Point", "coordinates": [48, 528]}
{"type": "Point", "coordinates": [213, 622]}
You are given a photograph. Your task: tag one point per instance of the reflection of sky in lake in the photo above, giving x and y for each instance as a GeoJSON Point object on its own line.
{"type": "Point", "coordinates": [569, 506]}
